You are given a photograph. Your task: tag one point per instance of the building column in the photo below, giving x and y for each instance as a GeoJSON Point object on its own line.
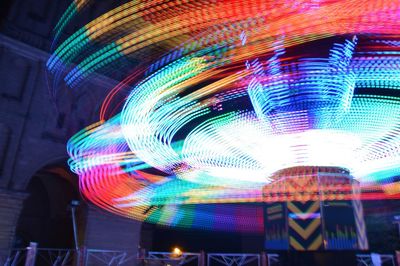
{"type": "Point", "coordinates": [11, 203]}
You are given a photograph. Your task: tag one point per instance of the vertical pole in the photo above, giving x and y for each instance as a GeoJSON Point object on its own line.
{"type": "Point", "coordinates": [141, 256]}
{"type": "Point", "coordinates": [73, 209]}
{"type": "Point", "coordinates": [31, 254]}
{"type": "Point", "coordinates": [264, 261]}
{"type": "Point", "coordinates": [81, 258]}
{"type": "Point", "coordinates": [321, 208]}
{"type": "Point", "coordinates": [398, 226]}
{"type": "Point", "coordinates": [202, 259]}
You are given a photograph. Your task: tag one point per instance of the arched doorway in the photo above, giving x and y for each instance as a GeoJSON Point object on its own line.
{"type": "Point", "coordinates": [46, 215]}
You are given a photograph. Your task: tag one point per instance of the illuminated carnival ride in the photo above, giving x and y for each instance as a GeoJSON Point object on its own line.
{"type": "Point", "coordinates": [222, 101]}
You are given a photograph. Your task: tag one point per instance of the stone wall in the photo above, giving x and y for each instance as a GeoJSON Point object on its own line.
{"type": "Point", "coordinates": [10, 207]}
{"type": "Point", "coordinates": [36, 121]}
{"type": "Point", "coordinates": [35, 124]}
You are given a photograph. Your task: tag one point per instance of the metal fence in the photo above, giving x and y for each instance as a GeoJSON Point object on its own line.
{"type": "Point", "coordinates": [14, 257]}
{"type": "Point", "coordinates": [94, 257]}
{"type": "Point", "coordinates": [273, 259]}
{"type": "Point", "coordinates": [375, 259]}
{"type": "Point", "coordinates": [56, 257]}
{"type": "Point", "coordinates": [172, 259]}
{"type": "Point", "coordinates": [33, 255]}
{"type": "Point", "coordinates": [243, 259]}
{"type": "Point", "coordinates": [233, 259]}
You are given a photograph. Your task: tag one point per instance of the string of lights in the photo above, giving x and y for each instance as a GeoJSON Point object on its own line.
{"type": "Point", "coordinates": [227, 94]}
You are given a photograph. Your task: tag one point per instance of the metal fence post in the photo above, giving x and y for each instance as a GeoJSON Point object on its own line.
{"type": "Point", "coordinates": [31, 254]}
{"type": "Point", "coordinates": [202, 259]}
{"type": "Point", "coordinates": [81, 256]}
{"type": "Point", "coordinates": [264, 261]}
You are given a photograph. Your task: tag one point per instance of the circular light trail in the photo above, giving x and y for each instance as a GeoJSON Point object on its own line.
{"type": "Point", "coordinates": [224, 94]}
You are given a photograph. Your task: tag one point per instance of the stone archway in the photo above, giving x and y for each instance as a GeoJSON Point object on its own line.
{"type": "Point", "coordinates": [45, 217]}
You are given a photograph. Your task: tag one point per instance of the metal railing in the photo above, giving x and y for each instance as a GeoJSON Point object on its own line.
{"type": "Point", "coordinates": [56, 257]}
{"type": "Point", "coordinates": [273, 259]}
{"type": "Point", "coordinates": [109, 257]}
{"type": "Point", "coordinates": [169, 258]}
{"type": "Point", "coordinates": [233, 259]}
{"type": "Point", "coordinates": [14, 258]}
{"type": "Point", "coordinates": [368, 259]}
{"type": "Point", "coordinates": [32, 256]}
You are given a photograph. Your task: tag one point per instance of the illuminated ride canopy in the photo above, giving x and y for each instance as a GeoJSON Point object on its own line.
{"type": "Point", "coordinates": [223, 94]}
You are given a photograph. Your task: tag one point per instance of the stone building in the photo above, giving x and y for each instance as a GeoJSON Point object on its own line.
{"type": "Point", "coordinates": [36, 185]}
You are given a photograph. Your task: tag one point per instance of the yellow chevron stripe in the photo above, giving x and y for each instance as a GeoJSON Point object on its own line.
{"type": "Point", "coordinates": [296, 245]}
{"type": "Point", "coordinates": [293, 208]}
{"type": "Point", "coordinates": [313, 208]}
{"type": "Point", "coordinates": [316, 243]}
{"type": "Point", "coordinates": [304, 232]}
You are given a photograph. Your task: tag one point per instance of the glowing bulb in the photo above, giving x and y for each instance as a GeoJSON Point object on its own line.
{"type": "Point", "coordinates": [177, 252]}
